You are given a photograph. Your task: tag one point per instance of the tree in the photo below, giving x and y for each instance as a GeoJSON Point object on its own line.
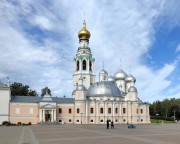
{"type": "Point", "coordinates": [22, 90]}
{"type": "Point", "coordinates": [165, 108]}
{"type": "Point", "coordinates": [44, 90]}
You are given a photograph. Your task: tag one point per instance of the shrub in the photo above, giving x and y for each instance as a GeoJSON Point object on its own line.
{"type": "Point", "coordinates": [6, 123]}
{"type": "Point", "coordinates": [169, 118]}
{"type": "Point", "coordinates": [19, 123]}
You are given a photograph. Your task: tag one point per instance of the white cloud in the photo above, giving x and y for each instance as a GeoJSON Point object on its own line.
{"type": "Point", "coordinates": [178, 48]}
{"type": "Point", "coordinates": [119, 30]}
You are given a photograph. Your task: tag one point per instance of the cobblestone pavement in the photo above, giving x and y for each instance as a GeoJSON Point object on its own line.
{"type": "Point", "coordinates": [91, 134]}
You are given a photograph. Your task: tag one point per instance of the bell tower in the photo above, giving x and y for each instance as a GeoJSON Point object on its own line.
{"type": "Point", "coordinates": [83, 61]}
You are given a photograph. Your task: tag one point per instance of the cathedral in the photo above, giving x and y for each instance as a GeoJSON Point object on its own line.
{"type": "Point", "coordinates": [112, 98]}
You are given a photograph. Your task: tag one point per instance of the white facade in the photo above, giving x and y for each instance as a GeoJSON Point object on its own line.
{"type": "Point", "coordinates": [4, 103]}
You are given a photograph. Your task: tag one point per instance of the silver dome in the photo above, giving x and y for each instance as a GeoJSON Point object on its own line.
{"type": "Point", "coordinates": [132, 89]}
{"type": "Point", "coordinates": [104, 88]}
{"type": "Point", "coordinates": [80, 88]}
{"type": "Point", "coordinates": [110, 78]}
{"type": "Point", "coordinates": [120, 75]}
{"type": "Point", "coordinates": [103, 72]}
{"type": "Point", "coordinates": [130, 78]}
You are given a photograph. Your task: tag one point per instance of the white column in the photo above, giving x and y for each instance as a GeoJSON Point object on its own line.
{"type": "Point", "coordinates": [43, 115]}
{"type": "Point", "coordinates": [97, 112]}
{"type": "Point", "coordinates": [52, 117]}
{"type": "Point", "coordinates": [54, 114]}
{"type": "Point", "coordinates": [86, 112]}
{"type": "Point", "coordinates": [80, 65]}
{"type": "Point", "coordinates": [113, 111]}
{"type": "Point", "coordinates": [87, 65]}
{"type": "Point", "coordinates": [104, 112]}
{"type": "Point", "coordinates": [120, 111]}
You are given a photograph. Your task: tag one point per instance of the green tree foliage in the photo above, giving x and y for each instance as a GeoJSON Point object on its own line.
{"type": "Point", "coordinates": [166, 108]}
{"type": "Point", "coordinates": [43, 91]}
{"type": "Point", "coordinates": [22, 90]}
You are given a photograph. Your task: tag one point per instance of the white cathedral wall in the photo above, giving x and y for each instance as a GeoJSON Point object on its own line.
{"type": "Point", "coordinates": [4, 103]}
{"type": "Point", "coordinates": [132, 96]}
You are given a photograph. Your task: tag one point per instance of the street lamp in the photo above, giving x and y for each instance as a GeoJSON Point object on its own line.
{"type": "Point", "coordinates": [157, 117]}
{"type": "Point", "coordinates": [81, 117]}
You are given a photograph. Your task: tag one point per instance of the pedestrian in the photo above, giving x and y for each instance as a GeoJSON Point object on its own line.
{"type": "Point", "coordinates": [112, 124]}
{"type": "Point", "coordinates": [107, 122]}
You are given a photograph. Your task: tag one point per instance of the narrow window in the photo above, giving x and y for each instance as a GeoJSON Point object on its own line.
{"type": "Point", "coordinates": [92, 110]}
{"type": "Point", "coordinates": [77, 120]}
{"type": "Point", "coordinates": [70, 111]}
{"type": "Point", "coordinates": [101, 110]}
{"type": "Point", "coordinates": [17, 110]}
{"type": "Point", "coordinates": [124, 120]}
{"type": "Point", "coordinates": [60, 110]}
{"type": "Point", "coordinates": [84, 65]}
{"type": "Point", "coordinates": [77, 65]}
{"type": "Point", "coordinates": [141, 120]}
{"type": "Point", "coordinates": [109, 110]}
{"type": "Point", "coordinates": [116, 110]}
{"type": "Point", "coordinates": [141, 111]}
{"type": "Point", "coordinates": [91, 120]}
{"type": "Point", "coordinates": [116, 120]}
{"type": "Point", "coordinates": [30, 110]}
{"type": "Point", "coordinates": [124, 110]}
{"type": "Point", "coordinates": [60, 120]}
{"type": "Point", "coordinates": [90, 66]}
{"type": "Point", "coordinates": [101, 120]}
{"type": "Point", "coordinates": [77, 110]}
{"type": "Point", "coordinates": [69, 120]}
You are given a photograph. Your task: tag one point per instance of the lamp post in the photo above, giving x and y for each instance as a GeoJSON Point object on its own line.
{"type": "Point", "coordinates": [81, 117]}
{"type": "Point", "coordinates": [157, 117]}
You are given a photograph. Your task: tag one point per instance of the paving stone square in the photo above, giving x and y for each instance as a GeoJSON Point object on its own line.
{"type": "Point", "coordinates": [90, 134]}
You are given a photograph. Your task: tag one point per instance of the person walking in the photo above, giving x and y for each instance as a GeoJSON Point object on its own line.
{"type": "Point", "coordinates": [112, 124]}
{"type": "Point", "coordinates": [107, 122]}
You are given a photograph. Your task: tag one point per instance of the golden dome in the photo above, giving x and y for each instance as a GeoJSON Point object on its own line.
{"type": "Point", "coordinates": [84, 33]}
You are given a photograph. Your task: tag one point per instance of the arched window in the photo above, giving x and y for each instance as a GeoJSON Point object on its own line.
{"type": "Point", "coordinates": [77, 65]}
{"type": "Point", "coordinates": [90, 65]}
{"type": "Point", "coordinates": [84, 65]}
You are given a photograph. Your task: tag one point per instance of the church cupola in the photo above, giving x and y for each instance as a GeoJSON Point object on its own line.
{"type": "Point", "coordinates": [84, 34]}
{"type": "Point", "coordinates": [103, 75]}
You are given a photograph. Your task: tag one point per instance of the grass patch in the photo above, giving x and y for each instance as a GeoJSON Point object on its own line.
{"type": "Point", "coordinates": [161, 121]}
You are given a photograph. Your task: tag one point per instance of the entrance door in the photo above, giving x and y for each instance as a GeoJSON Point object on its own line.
{"type": "Point", "coordinates": [47, 116]}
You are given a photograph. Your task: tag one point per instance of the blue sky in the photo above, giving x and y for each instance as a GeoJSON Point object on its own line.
{"type": "Point", "coordinates": [38, 41]}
